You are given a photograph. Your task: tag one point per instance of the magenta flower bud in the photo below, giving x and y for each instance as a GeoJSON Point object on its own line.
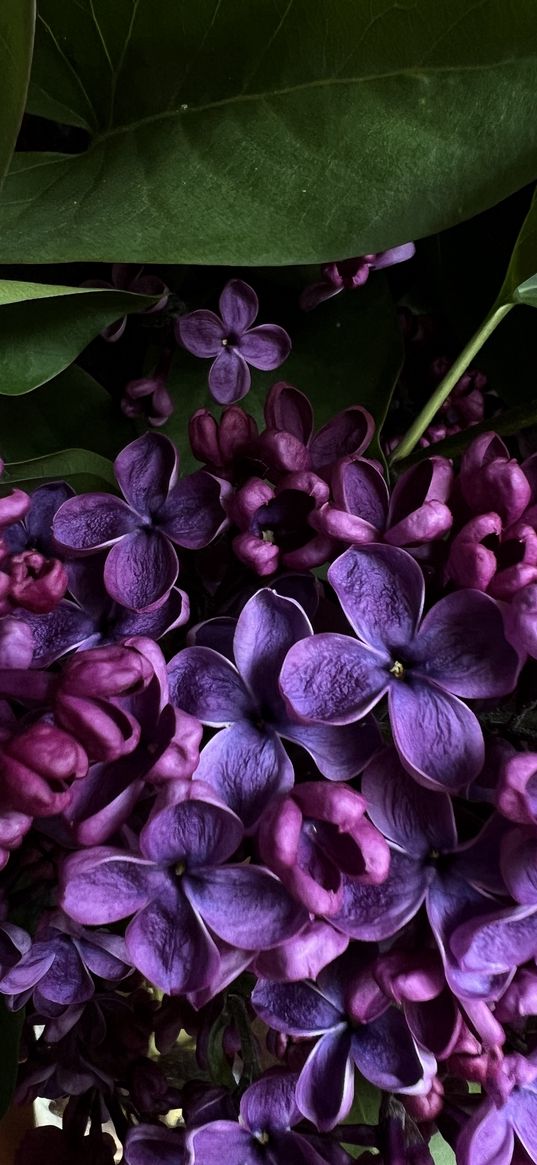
{"type": "Point", "coordinates": [516, 794]}
{"type": "Point", "coordinates": [106, 731]}
{"type": "Point", "coordinates": [248, 499]}
{"type": "Point", "coordinates": [40, 754]}
{"type": "Point", "coordinates": [410, 977]}
{"type": "Point", "coordinates": [115, 670]}
{"type": "Point", "coordinates": [492, 480]}
{"type": "Point", "coordinates": [471, 562]}
{"type": "Point", "coordinates": [16, 643]}
{"type": "Point", "coordinates": [148, 397]}
{"type": "Point", "coordinates": [203, 437]}
{"type": "Point", "coordinates": [14, 507]}
{"type": "Point", "coordinates": [13, 829]}
{"type": "Point", "coordinates": [520, 620]}
{"type": "Point", "coordinates": [37, 583]}
{"type": "Point", "coordinates": [263, 557]}
{"type": "Point", "coordinates": [428, 1107]}
{"type": "Point", "coordinates": [520, 999]}
{"type": "Point", "coordinates": [181, 757]}
{"type": "Point", "coordinates": [237, 430]}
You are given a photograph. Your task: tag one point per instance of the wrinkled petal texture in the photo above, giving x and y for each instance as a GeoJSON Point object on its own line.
{"type": "Point", "coordinates": [267, 628]}
{"type": "Point", "coordinates": [245, 905]}
{"type": "Point", "coordinates": [205, 684]}
{"type": "Point", "coordinates": [91, 521]}
{"type": "Point", "coordinates": [229, 377]}
{"type": "Point", "coordinates": [332, 679]}
{"type": "Point", "coordinates": [192, 514]}
{"type": "Point", "coordinates": [463, 647]}
{"type": "Point", "coordinates": [169, 944]}
{"type": "Point", "coordinates": [201, 333]}
{"type": "Point", "coordinates": [265, 347]}
{"type": "Point", "coordinates": [415, 819]}
{"type": "Point", "coordinates": [104, 884]}
{"type": "Point", "coordinates": [438, 738]}
{"type": "Point", "coordinates": [247, 767]}
{"type": "Point", "coordinates": [140, 570]}
{"type": "Point", "coordinates": [144, 470]}
{"type": "Point", "coordinates": [381, 591]}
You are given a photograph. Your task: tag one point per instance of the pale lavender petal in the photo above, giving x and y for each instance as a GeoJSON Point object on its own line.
{"type": "Point", "coordinates": [57, 632]}
{"type": "Point", "coordinates": [145, 470]}
{"type": "Point", "coordinates": [223, 1141]}
{"type": "Point", "coordinates": [288, 410]}
{"type": "Point", "coordinates": [229, 377]}
{"type": "Point", "coordinates": [416, 819]}
{"type": "Point", "coordinates": [339, 752]}
{"type": "Point", "coordinates": [91, 521]}
{"type": "Point", "coordinates": [381, 591]}
{"type": "Point", "coordinates": [330, 678]}
{"type": "Point", "coordinates": [519, 865]}
{"type": "Point", "coordinates": [348, 432]}
{"type": "Point", "coordinates": [385, 1053]}
{"type": "Point", "coordinates": [393, 255]}
{"type": "Point", "coordinates": [105, 956]}
{"type": "Point", "coordinates": [325, 1088]}
{"type": "Point", "coordinates": [296, 1009]}
{"type": "Point", "coordinates": [239, 306]}
{"type": "Point", "coordinates": [523, 1114]}
{"type": "Point", "coordinates": [208, 686]}
{"type": "Point", "coordinates": [497, 943]}
{"type": "Point", "coordinates": [486, 1138]}
{"type": "Point", "coordinates": [247, 767]}
{"type": "Point", "coordinates": [201, 332]}
{"type": "Point", "coordinates": [170, 946]}
{"type": "Point", "coordinates": [104, 884]}
{"type": "Point", "coordinates": [270, 1104]}
{"type": "Point", "coordinates": [195, 832]}
{"type": "Point", "coordinates": [265, 347]}
{"type": "Point", "coordinates": [304, 956]}
{"type": "Point", "coordinates": [463, 648]}
{"type": "Point", "coordinates": [31, 968]}
{"type": "Point", "coordinates": [193, 513]}
{"type": "Point", "coordinates": [437, 737]}
{"type": "Point", "coordinates": [245, 905]}
{"type": "Point", "coordinates": [373, 913]}
{"type": "Point", "coordinates": [268, 626]}
{"type": "Point", "coordinates": [140, 570]}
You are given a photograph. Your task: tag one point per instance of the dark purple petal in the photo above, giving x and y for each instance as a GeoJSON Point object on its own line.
{"type": "Point", "coordinates": [268, 626]}
{"type": "Point", "coordinates": [265, 347]}
{"type": "Point", "coordinates": [46, 500]}
{"type": "Point", "coordinates": [208, 686]}
{"type": "Point", "coordinates": [67, 980]}
{"type": "Point", "coordinates": [247, 767]}
{"type": "Point", "coordinates": [385, 1053]}
{"type": "Point", "coordinates": [416, 819]}
{"type": "Point", "coordinates": [91, 521]}
{"type": "Point", "coordinates": [245, 905]}
{"type": "Point", "coordinates": [523, 1114]}
{"type": "Point", "coordinates": [173, 612]}
{"type": "Point", "coordinates": [141, 569]}
{"type": "Point", "coordinates": [193, 513]}
{"type": "Point", "coordinates": [348, 432]}
{"type": "Point", "coordinates": [463, 647]}
{"type": "Point", "coordinates": [332, 679]}
{"type": "Point", "coordinates": [239, 306]}
{"type": "Point", "coordinates": [193, 831]}
{"type": "Point", "coordinates": [229, 377]}
{"type": "Point", "coordinates": [339, 752]}
{"type": "Point", "coordinates": [360, 489]}
{"type": "Point", "coordinates": [59, 631]}
{"type": "Point", "coordinates": [105, 955]}
{"type": "Point", "coordinates": [269, 1104]}
{"type": "Point", "coordinates": [519, 865]}
{"type": "Point", "coordinates": [373, 913]}
{"type": "Point", "coordinates": [325, 1088]}
{"type": "Point", "coordinates": [296, 1009]}
{"type": "Point", "coordinates": [30, 969]}
{"type": "Point", "coordinates": [288, 410]}
{"type": "Point", "coordinates": [146, 470]}
{"type": "Point", "coordinates": [450, 902]}
{"type": "Point", "coordinates": [437, 737]}
{"type": "Point", "coordinates": [381, 591]}
{"type": "Point", "coordinates": [153, 1145]}
{"type": "Point", "coordinates": [487, 1137]}
{"type": "Point", "coordinates": [169, 944]}
{"type": "Point", "coordinates": [201, 332]}
{"type": "Point", "coordinates": [224, 1141]}
{"type": "Point", "coordinates": [104, 884]}
{"type": "Point", "coordinates": [435, 1023]}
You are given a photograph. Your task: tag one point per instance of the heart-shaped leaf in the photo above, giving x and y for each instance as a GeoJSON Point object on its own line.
{"type": "Point", "coordinates": [17, 18]}
{"type": "Point", "coordinates": [282, 132]}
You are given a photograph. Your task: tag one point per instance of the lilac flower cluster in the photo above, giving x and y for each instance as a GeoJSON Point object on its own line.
{"type": "Point", "coordinates": [294, 847]}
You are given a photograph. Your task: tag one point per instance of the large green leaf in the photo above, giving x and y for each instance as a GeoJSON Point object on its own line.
{"type": "Point", "coordinates": [83, 470]}
{"type": "Point", "coordinates": [281, 132]}
{"type": "Point", "coordinates": [43, 328]}
{"type": "Point", "coordinates": [17, 19]}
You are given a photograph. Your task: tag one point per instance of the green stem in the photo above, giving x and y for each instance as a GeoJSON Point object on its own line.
{"type": "Point", "coordinates": [458, 368]}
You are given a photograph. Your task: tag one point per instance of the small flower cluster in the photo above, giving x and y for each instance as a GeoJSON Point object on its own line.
{"type": "Point", "coordinates": [294, 846]}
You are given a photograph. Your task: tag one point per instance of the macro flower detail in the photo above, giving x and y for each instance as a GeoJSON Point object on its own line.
{"type": "Point", "coordinates": [348, 274]}
{"type": "Point", "coordinates": [232, 342]}
{"type": "Point", "coordinates": [424, 665]}
{"type": "Point", "coordinates": [276, 525]}
{"type": "Point", "coordinates": [158, 511]}
{"type": "Point", "coordinates": [488, 1138]}
{"type": "Point", "coordinates": [290, 444]}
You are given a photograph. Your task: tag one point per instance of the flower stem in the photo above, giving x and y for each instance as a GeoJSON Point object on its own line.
{"type": "Point", "coordinates": [454, 374]}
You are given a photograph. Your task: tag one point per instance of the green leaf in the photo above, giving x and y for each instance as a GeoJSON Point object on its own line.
{"type": "Point", "coordinates": [81, 468]}
{"type": "Point", "coordinates": [58, 414]}
{"type": "Point", "coordinates": [17, 19]}
{"type": "Point", "coordinates": [520, 284]}
{"type": "Point", "coordinates": [441, 1152]}
{"type": "Point", "coordinates": [289, 131]}
{"type": "Point", "coordinates": [11, 1024]}
{"type": "Point", "coordinates": [43, 328]}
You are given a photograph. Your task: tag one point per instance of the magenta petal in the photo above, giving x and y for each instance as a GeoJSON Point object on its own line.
{"type": "Point", "coordinates": [145, 470]}
{"type": "Point", "coordinates": [267, 627]}
{"type": "Point", "coordinates": [222, 1141]}
{"type": "Point", "coordinates": [140, 570]}
{"type": "Point", "coordinates": [415, 819]}
{"type": "Point", "coordinates": [91, 521]}
{"type": "Point", "coordinates": [229, 377]}
{"type": "Point", "coordinates": [205, 684]}
{"type": "Point", "coordinates": [304, 956]}
{"type": "Point", "coordinates": [193, 513]}
{"type": "Point", "coordinates": [193, 831]}
{"type": "Point", "coordinates": [325, 1088]}
{"type": "Point", "coordinates": [330, 678]}
{"type": "Point", "coordinates": [169, 944]}
{"type": "Point", "coordinates": [339, 752]}
{"type": "Point", "coordinates": [523, 1114]}
{"type": "Point", "coordinates": [239, 306]}
{"type": "Point", "coordinates": [373, 913]}
{"type": "Point", "coordinates": [265, 347]}
{"type": "Point", "coordinates": [104, 884]}
{"type": "Point", "coordinates": [245, 905]}
{"type": "Point", "coordinates": [437, 737]}
{"type": "Point", "coordinates": [385, 1053]}
{"type": "Point", "coordinates": [381, 591]}
{"type": "Point", "coordinates": [486, 1138]}
{"type": "Point", "coordinates": [349, 432]}
{"type": "Point", "coordinates": [201, 332]}
{"type": "Point", "coordinates": [463, 646]}
{"type": "Point", "coordinates": [247, 767]}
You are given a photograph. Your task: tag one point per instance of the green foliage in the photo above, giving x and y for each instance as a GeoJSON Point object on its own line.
{"type": "Point", "coordinates": [17, 18]}
{"type": "Point", "coordinates": [441, 1152]}
{"type": "Point", "coordinates": [289, 131]}
{"type": "Point", "coordinates": [520, 285]}
{"type": "Point", "coordinates": [83, 470]}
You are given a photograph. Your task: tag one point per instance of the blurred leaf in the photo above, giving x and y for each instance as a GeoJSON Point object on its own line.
{"type": "Point", "coordinates": [11, 1024]}
{"type": "Point", "coordinates": [81, 468]}
{"type": "Point", "coordinates": [58, 414]}
{"type": "Point", "coordinates": [520, 284]}
{"type": "Point", "coordinates": [295, 131]}
{"type": "Point", "coordinates": [507, 424]}
{"type": "Point", "coordinates": [17, 19]}
{"type": "Point", "coordinates": [441, 1152]}
{"type": "Point", "coordinates": [43, 328]}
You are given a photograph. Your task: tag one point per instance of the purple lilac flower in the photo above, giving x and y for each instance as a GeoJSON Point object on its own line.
{"type": "Point", "coordinates": [155, 1145]}
{"type": "Point", "coordinates": [176, 887]}
{"type": "Point", "coordinates": [521, 620]}
{"type": "Point", "coordinates": [459, 649]}
{"type": "Point", "coordinates": [289, 443]}
{"type": "Point", "coordinates": [348, 274]}
{"type": "Point", "coordinates": [35, 760]}
{"type": "Point", "coordinates": [488, 1137]}
{"type": "Point", "coordinates": [148, 397]}
{"type": "Point", "coordinates": [222, 444]}
{"type": "Point", "coordinates": [33, 530]}
{"type": "Point", "coordinates": [516, 793]}
{"type": "Point", "coordinates": [129, 277]}
{"type": "Point", "coordinates": [492, 480]}
{"type": "Point", "coordinates": [232, 343]}
{"type": "Point", "coordinates": [274, 524]}
{"type": "Point", "coordinates": [246, 763]}
{"type": "Point", "coordinates": [358, 1028]}
{"type": "Point", "coordinates": [159, 510]}
{"type": "Point", "coordinates": [490, 558]}
{"type": "Point", "coordinates": [88, 695]}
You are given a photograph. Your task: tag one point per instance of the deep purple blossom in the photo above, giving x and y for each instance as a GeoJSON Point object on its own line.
{"type": "Point", "coordinates": [222, 444]}
{"type": "Point", "coordinates": [458, 649]}
{"type": "Point", "coordinates": [177, 886]}
{"type": "Point", "coordinates": [492, 480]}
{"type": "Point", "coordinates": [491, 558]}
{"type": "Point", "coordinates": [246, 762]}
{"type": "Point", "coordinates": [232, 343]}
{"type": "Point", "coordinates": [33, 530]}
{"type": "Point", "coordinates": [516, 793]}
{"type": "Point", "coordinates": [274, 524]}
{"type": "Point", "coordinates": [129, 277]}
{"type": "Point", "coordinates": [521, 620]}
{"type": "Point", "coordinates": [348, 274]}
{"type": "Point", "coordinates": [289, 443]}
{"type": "Point", "coordinates": [159, 511]}
{"type": "Point", "coordinates": [488, 1137]}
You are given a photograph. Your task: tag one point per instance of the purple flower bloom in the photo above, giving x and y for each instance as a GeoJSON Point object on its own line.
{"type": "Point", "coordinates": [154, 1145]}
{"type": "Point", "coordinates": [129, 277]}
{"type": "Point", "coordinates": [275, 523]}
{"type": "Point", "coordinates": [246, 762]}
{"type": "Point", "coordinates": [33, 530]}
{"type": "Point", "coordinates": [357, 1026]}
{"type": "Point", "coordinates": [220, 444]}
{"type": "Point", "coordinates": [141, 566]}
{"type": "Point", "coordinates": [148, 397]}
{"type": "Point", "coordinates": [516, 794]}
{"type": "Point", "coordinates": [177, 887]}
{"type": "Point", "coordinates": [488, 1138]}
{"type": "Point", "coordinates": [490, 558]}
{"type": "Point", "coordinates": [492, 480]}
{"type": "Point", "coordinates": [458, 650]}
{"type": "Point", "coordinates": [348, 274]}
{"type": "Point", "coordinates": [521, 620]}
{"type": "Point", "coordinates": [289, 443]}
{"type": "Point", "coordinates": [232, 342]}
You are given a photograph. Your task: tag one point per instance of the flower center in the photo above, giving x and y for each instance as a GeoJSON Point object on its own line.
{"type": "Point", "coordinates": [180, 869]}
{"type": "Point", "coordinates": [263, 1138]}
{"type": "Point", "coordinates": [397, 671]}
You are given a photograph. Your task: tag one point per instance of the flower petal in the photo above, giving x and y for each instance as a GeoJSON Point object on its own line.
{"type": "Point", "coordinates": [486, 1137]}
{"type": "Point", "coordinates": [229, 377]}
{"type": "Point", "coordinates": [194, 831]}
{"type": "Point", "coordinates": [523, 1114]}
{"type": "Point", "coordinates": [373, 913]}
{"type": "Point", "coordinates": [265, 347]}
{"type": "Point", "coordinates": [304, 956]}
{"type": "Point", "coordinates": [153, 1145]}
{"type": "Point", "coordinates": [238, 305]}
{"type": "Point", "coordinates": [416, 819]}
{"type": "Point", "coordinates": [201, 332]}
{"type": "Point", "coordinates": [385, 1053]}
{"type": "Point", "coordinates": [381, 591]}
{"type": "Point", "coordinates": [339, 752]}
{"type": "Point", "coordinates": [193, 513]}
{"type": "Point", "coordinates": [464, 649]}
{"type": "Point", "coordinates": [145, 470]}
{"type": "Point", "coordinates": [330, 678]}
{"type": "Point", "coordinates": [173, 612]}
{"type": "Point", "coordinates": [498, 942]}
{"type": "Point", "coordinates": [296, 1009]}
{"type": "Point", "coordinates": [91, 521]}
{"type": "Point", "coordinates": [360, 489]}
{"type": "Point", "coordinates": [438, 738]}
{"type": "Point", "coordinates": [245, 905]}
{"type": "Point", "coordinates": [267, 627]}
{"type": "Point", "coordinates": [140, 570]}
{"type": "Point", "coordinates": [269, 1104]}
{"type": "Point", "coordinates": [349, 432]}
{"type": "Point", "coordinates": [325, 1089]}
{"type": "Point", "coordinates": [104, 884]}
{"type": "Point", "coordinates": [247, 767]}
{"type": "Point", "coordinates": [288, 410]}
{"type": "Point", "coordinates": [205, 684]}
{"type": "Point", "coordinates": [58, 631]}
{"type": "Point", "coordinates": [519, 865]}
{"type": "Point", "coordinates": [222, 1141]}
{"type": "Point", "coordinates": [170, 946]}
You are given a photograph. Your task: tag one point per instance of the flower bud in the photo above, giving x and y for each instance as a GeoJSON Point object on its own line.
{"type": "Point", "coordinates": [31, 760]}
{"type": "Point", "coordinates": [37, 583]}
